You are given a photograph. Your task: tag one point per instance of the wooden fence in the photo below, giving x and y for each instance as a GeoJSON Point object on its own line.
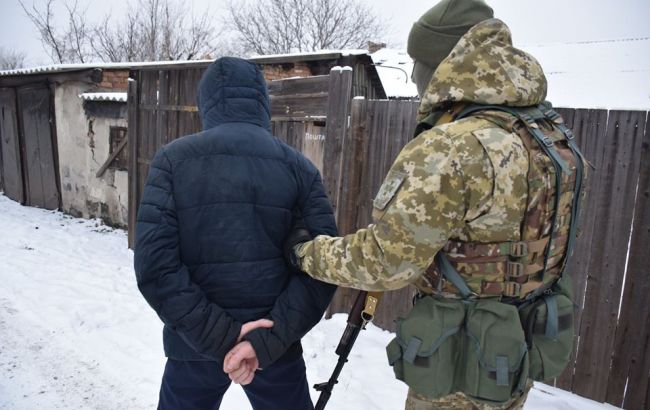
{"type": "Point", "coordinates": [354, 141]}
{"type": "Point", "coordinates": [610, 361]}
{"type": "Point", "coordinates": [162, 107]}
{"type": "Point", "coordinates": [613, 316]}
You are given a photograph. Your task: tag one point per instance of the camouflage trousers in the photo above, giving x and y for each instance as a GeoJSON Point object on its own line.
{"type": "Point", "coordinates": [458, 401]}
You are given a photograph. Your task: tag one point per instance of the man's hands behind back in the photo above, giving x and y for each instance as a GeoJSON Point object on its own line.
{"type": "Point", "coordinates": [241, 361]}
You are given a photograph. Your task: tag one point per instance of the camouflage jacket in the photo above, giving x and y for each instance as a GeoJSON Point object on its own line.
{"type": "Point", "coordinates": [464, 180]}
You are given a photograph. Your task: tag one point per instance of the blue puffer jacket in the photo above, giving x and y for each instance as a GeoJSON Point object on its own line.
{"type": "Point", "coordinates": [215, 212]}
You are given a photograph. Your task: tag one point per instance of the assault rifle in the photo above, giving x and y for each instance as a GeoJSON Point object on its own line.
{"type": "Point", "coordinates": [363, 311]}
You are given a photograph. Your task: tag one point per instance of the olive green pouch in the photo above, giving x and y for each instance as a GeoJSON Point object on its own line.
{"type": "Point", "coordinates": [450, 345]}
{"type": "Point", "coordinates": [496, 353]}
{"type": "Point", "coordinates": [548, 325]}
{"type": "Point", "coordinates": [426, 352]}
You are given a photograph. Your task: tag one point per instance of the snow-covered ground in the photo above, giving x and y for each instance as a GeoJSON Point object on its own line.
{"type": "Point", "coordinates": [76, 334]}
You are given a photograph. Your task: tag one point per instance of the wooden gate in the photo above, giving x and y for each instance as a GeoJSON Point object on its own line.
{"type": "Point", "coordinates": [12, 176]}
{"type": "Point", "coordinates": [29, 150]}
{"type": "Point", "coordinates": [39, 148]}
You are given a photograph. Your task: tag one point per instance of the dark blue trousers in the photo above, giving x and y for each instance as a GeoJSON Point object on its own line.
{"type": "Point", "coordinates": [201, 386]}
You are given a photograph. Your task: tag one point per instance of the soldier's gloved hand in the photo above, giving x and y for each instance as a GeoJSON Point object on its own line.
{"type": "Point", "coordinates": [299, 234]}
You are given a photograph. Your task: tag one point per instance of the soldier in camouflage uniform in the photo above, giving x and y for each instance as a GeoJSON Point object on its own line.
{"type": "Point", "coordinates": [463, 180]}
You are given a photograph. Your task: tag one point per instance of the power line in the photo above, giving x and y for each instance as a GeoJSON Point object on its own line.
{"type": "Point", "coordinates": [618, 40]}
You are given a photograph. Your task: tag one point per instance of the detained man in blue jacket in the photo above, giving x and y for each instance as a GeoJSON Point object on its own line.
{"type": "Point", "coordinates": [216, 209]}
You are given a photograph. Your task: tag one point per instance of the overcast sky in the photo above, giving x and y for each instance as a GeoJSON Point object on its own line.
{"type": "Point", "coordinates": [531, 21]}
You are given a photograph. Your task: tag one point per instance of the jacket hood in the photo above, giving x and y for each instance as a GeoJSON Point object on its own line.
{"type": "Point", "coordinates": [485, 68]}
{"type": "Point", "coordinates": [233, 90]}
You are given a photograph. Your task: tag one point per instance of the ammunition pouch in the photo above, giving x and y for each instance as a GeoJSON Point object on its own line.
{"type": "Point", "coordinates": [548, 326]}
{"type": "Point", "coordinates": [481, 347]}
{"type": "Point", "coordinates": [477, 347]}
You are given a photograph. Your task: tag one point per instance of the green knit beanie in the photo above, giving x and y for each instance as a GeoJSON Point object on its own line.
{"type": "Point", "coordinates": [436, 33]}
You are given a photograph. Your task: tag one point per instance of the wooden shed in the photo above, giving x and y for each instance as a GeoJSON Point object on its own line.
{"type": "Point", "coordinates": [365, 82]}
{"type": "Point", "coordinates": [55, 136]}
{"type": "Point", "coordinates": [64, 141]}
{"type": "Point", "coordinates": [29, 171]}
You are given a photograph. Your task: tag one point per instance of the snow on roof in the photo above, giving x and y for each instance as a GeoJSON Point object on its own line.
{"type": "Point", "coordinates": [319, 53]}
{"type": "Point", "coordinates": [339, 68]}
{"type": "Point", "coordinates": [54, 68]}
{"type": "Point", "coordinates": [394, 68]}
{"type": "Point", "coordinates": [109, 96]}
{"type": "Point", "coordinates": [611, 74]}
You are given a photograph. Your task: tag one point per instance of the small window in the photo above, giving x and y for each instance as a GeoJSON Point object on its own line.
{"type": "Point", "coordinates": [117, 140]}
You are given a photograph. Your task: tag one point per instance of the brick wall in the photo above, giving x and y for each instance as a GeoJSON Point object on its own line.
{"type": "Point", "coordinates": [115, 80]}
{"type": "Point", "coordinates": [281, 71]}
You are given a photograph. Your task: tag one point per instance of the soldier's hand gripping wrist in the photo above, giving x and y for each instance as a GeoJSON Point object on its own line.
{"type": "Point", "coordinates": [299, 234]}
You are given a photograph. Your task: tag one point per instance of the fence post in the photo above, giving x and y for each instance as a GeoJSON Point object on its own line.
{"type": "Point", "coordinates": [338, 111]}
{"type": "Point", "coordinates": [132, 136]}
{"type": "Point", "coordinates": [336, 136]}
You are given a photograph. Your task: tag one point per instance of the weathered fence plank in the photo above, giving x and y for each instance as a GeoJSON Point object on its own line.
{"type": "Point", "coordinates": [340, 88]}
{"type": "Point", "coordinates": [629, 380]}
{"type": "Point", "coordinates": [589, 127]}
{"type": "Point", "coordinates": [613, 219]}
{"type": "Point", "coordinates": [134, 141]}
{"type": "Point", "coordinates": [294, 86]}
{"type": "Point", "coordinates": [11, 157]}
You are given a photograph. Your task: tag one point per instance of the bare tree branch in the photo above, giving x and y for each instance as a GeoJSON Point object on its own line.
{"type": "Point", "coordinates": [78, 33]}
{"type": "Point", "coordinates": [50, 39]}
{"type": "Point", "coordinates": [11, 59]}
{"type": "Point", "coordinates": [284, 26]}
{"type": "Point", "coordinates": [151, 30]}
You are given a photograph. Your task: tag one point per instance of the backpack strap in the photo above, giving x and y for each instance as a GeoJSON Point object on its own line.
{"type": "Point", "coordinates": [452, 275]}
{"type": "Point", "coordinates": [556, 118]}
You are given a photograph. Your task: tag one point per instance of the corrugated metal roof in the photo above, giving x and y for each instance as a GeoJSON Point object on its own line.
{"type": "Point", "coordinates": [119, 97]}
{"type": "Point", "coordinates": [60, 68]}
{"type": "Point", "coordinates": [262, 59]}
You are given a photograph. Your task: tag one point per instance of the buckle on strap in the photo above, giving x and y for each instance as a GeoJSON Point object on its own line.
{"type": "Point", "coordinates": [515, 269]}
{"type": "Point", "coordinates": [568, 133]}
{"type": "Point", "coordinates": [552, 115]}
{"type": "Point", "coordinates": [528, 119]}
{"type": "Point", "coordinates": [518, 249]}
{"type": "Point", "coordinates": [512, 289]}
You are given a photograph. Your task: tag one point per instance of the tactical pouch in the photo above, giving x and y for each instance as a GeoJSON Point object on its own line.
{"type": "Point", "coordinates": [449, 345]}
{"type": "Point", "coordinates": [548, 325]}
{"type": "Point", "coordinates": [496, 355]}
{"type": "Point", "coordinates": [426, 353]}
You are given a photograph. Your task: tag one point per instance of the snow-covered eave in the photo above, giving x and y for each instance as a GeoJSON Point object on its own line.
{"type": "Point", "coordinates": [61, 68]}
{"type": "Point", "coordinates": [262, 59]}
{"type": "Point", "coordinates": [107, 96]}
{"type": "Point", "coordinates": [307, 56]}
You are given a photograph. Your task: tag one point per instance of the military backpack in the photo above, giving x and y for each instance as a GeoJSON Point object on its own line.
{"type": "Point", "coordinates": [488, 341]}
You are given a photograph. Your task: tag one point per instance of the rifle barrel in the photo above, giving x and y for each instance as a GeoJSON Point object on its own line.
{"type": "Point", "coordinates": [352, 329]}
